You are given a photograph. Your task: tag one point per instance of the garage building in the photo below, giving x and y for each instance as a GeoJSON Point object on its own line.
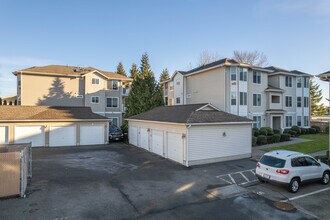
{"type": "Point", "coordinates": [52, 126]}
{"type": "Point", "coordinates": [192, 134]}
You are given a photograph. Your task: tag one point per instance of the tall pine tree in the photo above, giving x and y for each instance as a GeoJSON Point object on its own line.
{"type": "Point", "coordinates": [0, 101]}
{"type": "Point", "coordinates": [164, 76]}
{"type": "Point", "coordinates": [120, 69]}
{"type": "Point", "coordinates": [316, 96]}
{"type": "Point", "coordinates": [145, 69]}
{"type": "Point", "coordinates": [134, 71]}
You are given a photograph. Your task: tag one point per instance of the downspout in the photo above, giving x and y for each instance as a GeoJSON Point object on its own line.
{"type": "Point", "coordinates": [187, 144]}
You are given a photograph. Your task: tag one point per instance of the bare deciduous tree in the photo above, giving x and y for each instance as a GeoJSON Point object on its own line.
{"type": "Point", "coordinates": [207, 57]}
{"type": "Point", "coordinates": [251, 57]}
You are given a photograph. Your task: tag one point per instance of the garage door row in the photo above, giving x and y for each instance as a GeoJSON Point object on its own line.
{"type": "Point", "coordinates": [166, 144]}
{"type": "Point", "coordinates": [54, 136]}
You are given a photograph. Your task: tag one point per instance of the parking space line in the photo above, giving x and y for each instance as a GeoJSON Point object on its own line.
{"type": "Point", "coordinates": [231, 178]}
{"type": "Point", "coordinates": [225, 180]}
{"type": "Point", "coordinates": [225, 177]}
{"type": "Point", "coordinates": [252, 181]}
{"type": "Point", "coordinates": [253, 172]}
{"type": "Point", "coordinates": [307, 194]}
{"type": "Point", "coordinates": [244, 177]}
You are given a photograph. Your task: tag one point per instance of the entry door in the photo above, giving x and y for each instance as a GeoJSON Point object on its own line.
{"type": "Point", "coordinates": [144, 138]}
{"type": "Point", "coordinates": [157, 142]}
{"type": "Point", "coordinates": [276, 122]}
{"type": "Point", "coordinates": [175, 147]}
{"type": "Point", "coordinates": [26, 134]}
{"type": "Point", "coordinates": [4, 135]}
{"type": "Point", "coordinates": [62, 136]}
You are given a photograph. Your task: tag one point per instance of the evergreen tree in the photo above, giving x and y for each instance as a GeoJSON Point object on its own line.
{"type": "Point", "coordinates": [164, 76]}
{"type": "Point", "coordinates": [120, 69]}
{"type": "Point", "coordinates": [0, 101]}
{"type": "Point", "coordinates": [145, 69]}
{"type": "Point", "coordinates": [4, 102]}
{"type": "Point", "coordinates": [316, 96]}
{"type": "Point", "coordinates": [134, 71]}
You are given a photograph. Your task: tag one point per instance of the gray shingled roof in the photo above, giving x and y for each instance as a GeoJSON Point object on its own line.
{"type": "Point", "coordinates": [37, 113]}
{"type": "Point", "coordinates": [216, 63]}
{"type": "Point", "coordinates": [188, 114]}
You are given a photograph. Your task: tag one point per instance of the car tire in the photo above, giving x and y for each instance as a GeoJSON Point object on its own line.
{"type": "Point", "coordinates": [261, 180]}
{"type": "Point", "coordinates": [325, 178]}
{"type": "Point", "coordinates": [294, 185]}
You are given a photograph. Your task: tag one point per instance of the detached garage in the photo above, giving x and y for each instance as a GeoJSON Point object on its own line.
{"type": "Point", "coordinates": [192, 134]}
{"type": "Point", "coordinates": [52, 126]}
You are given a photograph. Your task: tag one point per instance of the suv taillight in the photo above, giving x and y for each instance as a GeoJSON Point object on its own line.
{"type": "Point", "coordinates": [282, 171]}
{"type": "Point", "coordinates": [258, 165]}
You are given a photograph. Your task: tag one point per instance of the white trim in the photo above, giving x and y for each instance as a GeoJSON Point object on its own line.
{"type": "Point", "coordinates": [95, 97]}
{"type": "Point", "coordinates": [52, 120]}
{"type": "Point", "coordinates": [96, 80]}
{"type": "Point", "coordinates": [160, 122]}
{"type": "Point", "coordinates": [203, 70]}
{"type": "Point", "coordinates": [208, 105]}
{"type": "Point", "coordinates": [110, 97]}
{"type": "Point", "coordinates": [197, 124]}
{"type": "Point", "coordinates": [109, 112]}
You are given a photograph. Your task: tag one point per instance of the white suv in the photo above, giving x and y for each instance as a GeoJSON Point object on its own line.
{"type": "Point", "coordinates": [291, 168]}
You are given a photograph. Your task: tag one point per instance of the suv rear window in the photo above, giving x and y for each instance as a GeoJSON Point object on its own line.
{"type": "Point", "coordinates": [272, 161]}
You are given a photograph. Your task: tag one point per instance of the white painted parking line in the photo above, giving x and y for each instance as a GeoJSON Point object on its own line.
{"type": "Point", "coordinates": [252, 171]}
{"type": "Point", "coordinates": [304, 195]}
{"type": "Point", "coordinates": [247, 180]}
{"type": "Point", "coordinates": [239, 176]}
{"type": "Point", "coordinates": [231, 178]}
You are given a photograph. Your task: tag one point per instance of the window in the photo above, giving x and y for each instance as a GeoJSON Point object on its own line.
{"type": "Point", "coordinates": [298, 101]}
{"type": "Point", "coordinates": [114, 85]}
{"type": "Point", "coordinates": [95, 100]}
{"type": "Point", "coordinates": [275, 99]}
{"type": "Point", "coordinates": [233, 73]}
{"type": "Point", "coordinates": [298, 120]}
{"type": "Point", "coordinates": [166, 100]}
{"type": "Point", "coordinates": [171, 85]}
{"type": "Point", "coordinates": [114, 121]}
{"type": "Point", "coordinates": [306, 102]}
{"type": "Point", "coordinates": [178, 82]}
{"type": "Point", "coordinates": [288, 81]}
{"type": "Point", "coordinates": [257, 121]}
{"type": "Point", "coordinates": [178, 100]}
{"type": "Point", "coordinates": [272, 161]}
{"type": "Point", "coordinates": [298, 82]}
{"type": "Point", "coordinates": [112, 102]}
{"type": "Point", "coordinates": [243, 98]}
{"type": "Point", "coordinates": [306, 82]}
{"type": "Point", "coordinates": [298, 162]}
{"type": "Point", "coordinates": [288, 121]}
{"type": "Point", "coordinates": [256, 99]}
{"type": "Point", "coordinates": [243, 74]}
{"type": "Point", "coordinates": [256, 77]}
{"type": "Point", "coordinates": [288, 101]}
{"type": "Point", "coordinates": [233, 98]}
{"type": "Point", "coordinates": [306, 121]}
{"type": "Point", "coordinates": [95, 81]}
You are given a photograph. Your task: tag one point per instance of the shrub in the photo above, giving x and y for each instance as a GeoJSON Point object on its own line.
{"type": "Point", "coordinates": [296, 129]}
{"type": "Point", "coordinates": [307, 131]}
{"type": "Point", "coordinates": [261, 140]}
{"type": "Point", "coordinates": [263, 132]}
{"type": "Point", "coordinates": [293, 133]}
{"type": "Point", "coordinates": [276, 138]}
{"type": "Point", "coordinates": [285, 137]}
{"type": "Point", "coordinates": [312, 130]}
{"type": "Point", "coordinates": [286, 131]}
{"type": "Point", "coordinates": [327, 129]}
{"type": "Point", "coordinates": [277, 131]}
{"type": "Point", "coordinates": [317, 128]}
{"type": "Point", "coordinates": [269, 130]}
{"type": "Point", "coordinates": [255, 132]}
{"type": "Point", "coordinates": [269, 139]}
{"type": "Point", "coordinates": [303, 130]}
{"type": "Point", "coordinates": [254, 141]}
{"type": "Point", "coordinates": [124, 127]}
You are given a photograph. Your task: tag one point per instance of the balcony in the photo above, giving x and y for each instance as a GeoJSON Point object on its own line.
{"type": "Point", "coordinates": [125, 91]}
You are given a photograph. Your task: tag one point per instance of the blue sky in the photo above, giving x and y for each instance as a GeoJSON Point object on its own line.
{"type": "Point", "coordinates": [293, 34]}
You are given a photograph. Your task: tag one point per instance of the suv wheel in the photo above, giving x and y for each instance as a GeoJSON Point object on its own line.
{"type": "Point", "coordinates": [325, 178]}
{"type": "Point", "coordinates": [294, 185]}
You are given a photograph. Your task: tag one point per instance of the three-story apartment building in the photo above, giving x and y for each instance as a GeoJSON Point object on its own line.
{"type": "Point", "coordinates": [57, 85]}
{"type": "Point", "coordinates": [270, 96]}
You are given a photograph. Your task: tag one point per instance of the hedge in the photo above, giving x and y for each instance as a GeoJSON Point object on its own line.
{"type": "Point", "coordinates": [263, 132]}
{"type": "Point", "coordinates": [276, 138]}
{"type": "Point", "coordinates": [277, 131]}
{"type": "Point", "coordinates": [317, 128]}
{"type": "Point", "coordinates": [269, 130]}
{"type": "Point", "coordinates": [254, 141]}
{"type": "Point", "coordinates": [296, 129]}
{"type": "Point", "coordinates": [261, 140]}
{"type": "Point", "coordinates": [312, 130]}
{"type": "Point", "coordinates": [285, 137]}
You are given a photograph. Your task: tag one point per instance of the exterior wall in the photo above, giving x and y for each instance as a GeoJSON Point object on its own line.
{"type": "Point", "coordinates": [219, 143]}
{"type": "Point", "coordinates": [47, 125]}
{"type": "Point", "coordinates": [50, 91]}
{"type": "Point", "coordinates": [274, 81]}
{"type": "Point", "coordinates": [207, 87]}
{"type": "Point", "coordinates": [178, 89]}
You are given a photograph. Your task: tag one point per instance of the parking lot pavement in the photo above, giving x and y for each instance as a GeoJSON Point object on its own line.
{"type": "Point", "coordinates": [240, 178]}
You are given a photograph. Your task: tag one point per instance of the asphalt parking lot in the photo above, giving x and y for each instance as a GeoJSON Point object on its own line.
{"type": "Point", "coordinates": [119, 181]}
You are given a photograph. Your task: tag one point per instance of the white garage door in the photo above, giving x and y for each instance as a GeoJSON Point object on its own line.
{"type": "Point", "coordinates": [157, 142]}
{"type": "Point", "coordinates": [91, 134]}
{"type": "Point", "coordinates": [26, 134]}
{"type": "Point", "coordinates": [133, 135]}
{"type": "Point", "coordinates": [144, 142]}
{"type": "Point", "coordinates": [4, 135]}
{"type": "Point", "coordinates": [175, 147]}
{"type": "Point", "coordinates": [62, 136]}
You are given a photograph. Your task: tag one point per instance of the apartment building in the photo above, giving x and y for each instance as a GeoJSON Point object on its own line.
{"type": "Point", "coordinates": [271, 96]}
{"type": "Point", "coordinates": [57, 85]}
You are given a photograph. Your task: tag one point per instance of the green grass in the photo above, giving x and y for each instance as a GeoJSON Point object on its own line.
{"type": "Point", "coordinates": [318, 142]}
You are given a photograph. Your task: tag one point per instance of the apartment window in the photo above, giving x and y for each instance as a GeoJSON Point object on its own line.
{"type": "Point", "coordinates": [298, 101]}
{"type": "Point", "coordinates": [114, 85]}
{"type": "Point", "coordinates": [298, 82]}
{"type": "Point", "coordinates": [95, 100]}
{"type": "Point", "coordinates": [233, 73]}
{"type": "Point", "coordinates": [243, 74]}
{"type": "Point", "coordinates": [171, 85]}
{"type": "Point", "coordinates": [233, 98]}
{"type": "Point", "coordinates": [256, 99]}
{"type": "Point", "coordinates": [288, 81]}
{"type": "Point", "coordinates": [178, 100]}
{"type": "Point", "coordinates": [306, 102]}
{"type": "Point", "coordinates": [257, 77]}
{"type": "Point", "coordinates": [288, 121]}
{"type": "Point", "coordinates": [95, 81]}
{"type": "Point", "coordinates": [275, 99]}
{"type": "Point", "coordinates": [178, 83]}
{"type": "Point", "coordinates": [112, 102]}
{"type": "Point", "coordinates": [243, 98]}
{"type": "Point", "coordinates": [306, 121]}
{"type": "Point", "coordinates": [298, 120]}
{"type": "Point", "coordinates": [166, 101]}
{"type": "Point", "coordinates": [114, 121]}
{"type": "Point", "coordinates": [257, 121]}
{"type": "Point", "coordinates": [306, 82]}
{"type": "Point", "coordinates": [288, 101]}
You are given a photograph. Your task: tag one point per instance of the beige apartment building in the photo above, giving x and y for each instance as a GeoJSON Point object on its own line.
{"type": "Point", "coordinates": [270, 96]}
{"type": "Point", "coordinates": [57, 85]}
